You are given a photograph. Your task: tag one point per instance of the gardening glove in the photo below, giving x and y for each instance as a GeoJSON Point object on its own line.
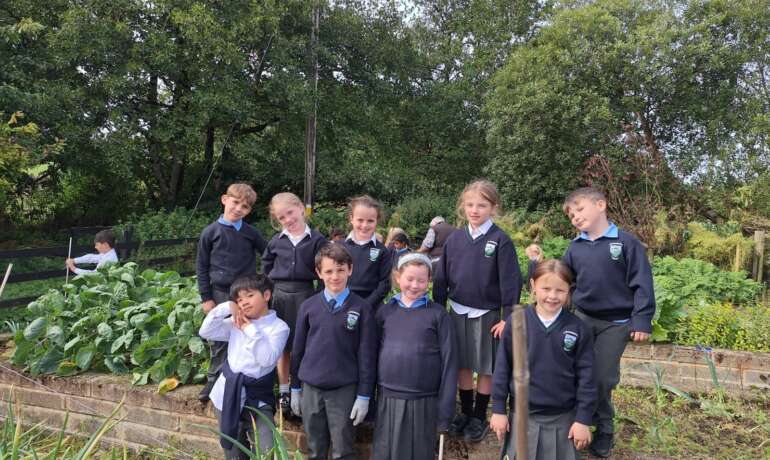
{"type": "Point", "coordinates": [360, 408]}
{"type": "Point", "coordinates": [296, 402]}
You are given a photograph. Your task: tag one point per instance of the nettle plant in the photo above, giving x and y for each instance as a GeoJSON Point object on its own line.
{"type": "Point", "coordinates": [120, 321]}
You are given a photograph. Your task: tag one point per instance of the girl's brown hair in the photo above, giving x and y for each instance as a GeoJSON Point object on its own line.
{"type": "Point", "coordinates": [553, 266]}
{"type": "Point", "coordinates": [367, 201]}
{"type": "Point", "coordinates": [486, 189]}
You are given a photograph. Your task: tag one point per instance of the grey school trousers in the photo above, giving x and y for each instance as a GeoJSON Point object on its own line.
{"type": "Point", "coordinates": [610, 341]}
{"type": "Point", "coordinates": [218, 349]}
{"type": "Point", "coordinates": [326, 419]}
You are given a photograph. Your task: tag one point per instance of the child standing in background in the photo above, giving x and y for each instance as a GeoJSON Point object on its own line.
{"type": "Point", "coordinates": [417, 370]}
{"type": "Point", "coordinates": [562, 393]}
{"type": "Point", "coordinates": [478, 275]}
{"type": "Point", "coordinates": [371, 259]}
{"type": "Point", "coordinates": [104, 243]}
{"type": "Point", "coordinates": [289, 261]}
{"type": "Point", "coordinates": [227, 249]}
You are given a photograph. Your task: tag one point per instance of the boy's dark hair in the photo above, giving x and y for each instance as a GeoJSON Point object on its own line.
{"type": "Point", "coordinates": [334, 251]}
{"type": "Point", "coordinates": [583, 192]}
{"type": "Point", "coordinates": [336, 233]}
{"type": "Point", "coordinates": [401, 238]}
{"type": "Point", "coordinates": [256, 282]}
{"type": "Point", "coordinates": [105, 236]}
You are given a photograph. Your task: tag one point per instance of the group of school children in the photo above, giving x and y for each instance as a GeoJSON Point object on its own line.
{"type": "Point", "coordinates": [315, 320]}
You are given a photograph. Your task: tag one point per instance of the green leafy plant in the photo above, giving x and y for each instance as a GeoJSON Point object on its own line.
{"type": "Point", "coordinates": [681, 284]}
{"type": "Point", "coordinates": [120, 321]}
{"type": "Point", "coordinates": [279, 451]}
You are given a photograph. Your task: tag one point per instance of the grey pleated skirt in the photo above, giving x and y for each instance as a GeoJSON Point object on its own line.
{"type": "Point", "coordinates": [546, 438]}
{"type": "Point", "coordinates": [405, 429]}
{"type": "Point", "coordinates": [474, 343]}
{"type": "Point", "coordinates": [287, 297]}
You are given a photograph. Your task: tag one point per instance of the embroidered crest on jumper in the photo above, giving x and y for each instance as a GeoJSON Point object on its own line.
{"type": "Point", "coordinates": [374, 253]}
{"type": "Point", "coordinates": [489, 248]}
{"type": "Point", "coordinates": [352, 320]}
{"type": "Point", "coordinates": [616, 249]}
{"type": "Point", "coordinates": [570, 339]}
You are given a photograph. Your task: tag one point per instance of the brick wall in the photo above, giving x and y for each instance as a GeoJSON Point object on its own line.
{"type": "Point", "coordinates": [175, 419]}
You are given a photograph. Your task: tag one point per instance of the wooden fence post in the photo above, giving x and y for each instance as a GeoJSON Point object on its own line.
{"type": "Point", "coordinates": [520, 380]}
{"type": "Point", "coordinates": [128, 235]}
{"type": "Point", "coordinates": [758, 261]}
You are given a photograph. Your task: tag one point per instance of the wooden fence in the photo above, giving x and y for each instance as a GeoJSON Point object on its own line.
{"type": "Point", "coordinates": [125, 250]}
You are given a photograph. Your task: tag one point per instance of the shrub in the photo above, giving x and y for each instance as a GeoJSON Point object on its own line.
{"type": "Point", "coordinates": [160, 225]}
{"type": "Point", "coordinates": [753, 329]}
{"type": "Point", "coordinates": [718, 247]}
{"type": "Point", "coordinates": [713, 325]}
{"type": "Point", "coordinates": [414, 214]}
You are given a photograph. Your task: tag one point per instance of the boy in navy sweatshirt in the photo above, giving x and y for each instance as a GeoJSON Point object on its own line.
{"type": "Point", "coordinates": [227, 250]}
{"type": "Point", "coordinates": [613, 296]}
{"type": "Point", "coordinates": [333, 359]}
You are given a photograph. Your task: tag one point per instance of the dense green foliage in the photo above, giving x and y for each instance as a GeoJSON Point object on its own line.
{"type": "Point", "coordinates": [682, 285]}
{"type": "Point", "coordinates": [120, 321]}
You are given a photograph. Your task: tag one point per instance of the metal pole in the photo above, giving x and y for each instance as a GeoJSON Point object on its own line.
{"type": "Point", "coordinates": [520, 380]}
{"type": "Point", "coordinates": [310, 133]}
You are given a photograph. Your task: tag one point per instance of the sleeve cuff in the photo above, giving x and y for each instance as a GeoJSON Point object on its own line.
{"type": "Point", "coordinates": [498, 407]}
{"type": "Point", "coordinates": [363, 398]}
{"type": "Point", "coordinates": [641, 324]}
{"type": "Point", "coordinates": [584, 417]}
{"type": "Point", "coordinates": [296, 390]}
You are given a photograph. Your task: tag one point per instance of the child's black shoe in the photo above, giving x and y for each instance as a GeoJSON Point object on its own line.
{"type": "Point", "coordinates": [602, 445]}
{"type": "Point", "coordinates": [475, 430]}
{"type": "Point", "coordinates": [457, 426]}
{"type": "Point", "coordinates": [203, 396]}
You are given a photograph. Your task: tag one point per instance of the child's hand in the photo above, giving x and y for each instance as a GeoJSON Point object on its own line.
{"type": "Point", "coordinates": [580, 435]}
{"type": "Point", "coordinates": [637, 336]}
{"type": "Point", "coordinates": [70, 263]}
{"type": "Point", "coordinates": [208, 306]}
{"type": "Point", "coordinates": [499, 424]}
{"type": "Point", "coordinates": [497, 329]}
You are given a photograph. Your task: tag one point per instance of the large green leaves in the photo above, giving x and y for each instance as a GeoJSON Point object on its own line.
{"type": "Point", "coordinates": [119, 322]}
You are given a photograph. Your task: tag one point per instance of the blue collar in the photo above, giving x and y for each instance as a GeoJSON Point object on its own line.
{"type": "Point", "coordinates": [611, 232]}
{"type": "Point", "coordinates": [420, 302]}
{"type": "Point", "coordinates": [236, 225]}
{"type": "Point", "coordinates": [401, 251]}
{"type": "Point", "coordinates": [340, 298]}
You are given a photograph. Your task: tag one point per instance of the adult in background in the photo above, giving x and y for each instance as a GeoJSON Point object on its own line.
{"type": "Point", "coordinates": [433, 244]}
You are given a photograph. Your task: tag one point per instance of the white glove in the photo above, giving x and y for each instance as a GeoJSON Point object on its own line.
{"type": "Point", "coordinates": [360, 408]}
{"type": "Point", "coordinates": [296, 402]}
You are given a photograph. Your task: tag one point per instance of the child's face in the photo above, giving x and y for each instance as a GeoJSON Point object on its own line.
{"type": "Point", "coordinates": [587, 215]}
{"type": "Point", "coordinates": [102, 248]}
{"type": "Point", "coordinates": [335, 276]}
{"type": "Point", "coordinates": [551, 294]}
{"type": "Point", "coordinates": [477, 208]}
{"type": "Point", "coordinates": [399, 245]}
{"type": "Point", "coordinates": [235, 208]}
{"type": "Point", "coordinates": [253, 303]}
{"type": "Point", "coordinates": [413, 281]}
{"type": "Point", "coordinates": [291, 216]}
{"type": "Point", "coordinates": [363, 219]}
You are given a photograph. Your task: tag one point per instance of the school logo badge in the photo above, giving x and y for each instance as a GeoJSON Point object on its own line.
{"type": "Point", "coordinates": [570, 339]}
{"type": "Point", "coordinates": [616, 249]}
{"type": "Point", "coordinates": [373, 254]}
{"type": "Point", "coordinates": [489, 248]}
{"type": "Point", "coordinates": [352, 320]}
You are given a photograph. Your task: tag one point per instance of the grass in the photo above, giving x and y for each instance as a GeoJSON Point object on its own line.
{"type": "Point", "coordinates": [656, 423]}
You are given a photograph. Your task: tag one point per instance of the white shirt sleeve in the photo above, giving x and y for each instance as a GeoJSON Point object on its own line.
{"type": "Point", "coordinates": [215, 325]}
{"type": "Point", "coordinates": [430, 239]}
{"type": "Point", "coordinates": [88, 259]}
{"type": "Point", "coordinates": [266, 344]}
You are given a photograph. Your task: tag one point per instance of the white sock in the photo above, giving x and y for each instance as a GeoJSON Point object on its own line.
{"type": "Point", "coordinates": [283, 388]}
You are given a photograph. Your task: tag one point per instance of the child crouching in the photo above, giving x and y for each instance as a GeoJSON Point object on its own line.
{"type": "Point", "coordinates": [417, 370]}
{"type": "Point", "coordinates": [256, 339]}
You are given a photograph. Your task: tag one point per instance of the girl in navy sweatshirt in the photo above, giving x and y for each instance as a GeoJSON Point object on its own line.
{"type": "Point", "coordinates": [371, 259]}
{"type": "Point", "coordinates": [562, 393]}
{"type": "Point", "coordinates": [417, 370]}
{"type": "Point", "coordinates": [289, 261]}
{"type": "Point", "coordinates": [479, 276]}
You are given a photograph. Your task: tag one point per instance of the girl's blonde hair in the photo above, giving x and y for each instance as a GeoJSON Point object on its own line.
{"type": "Point", "coordinates": [486, 189]}
{"type": "Point", "coordinates": [367, 201]}
{"type": "Point", "coordinates": [283, 198]}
